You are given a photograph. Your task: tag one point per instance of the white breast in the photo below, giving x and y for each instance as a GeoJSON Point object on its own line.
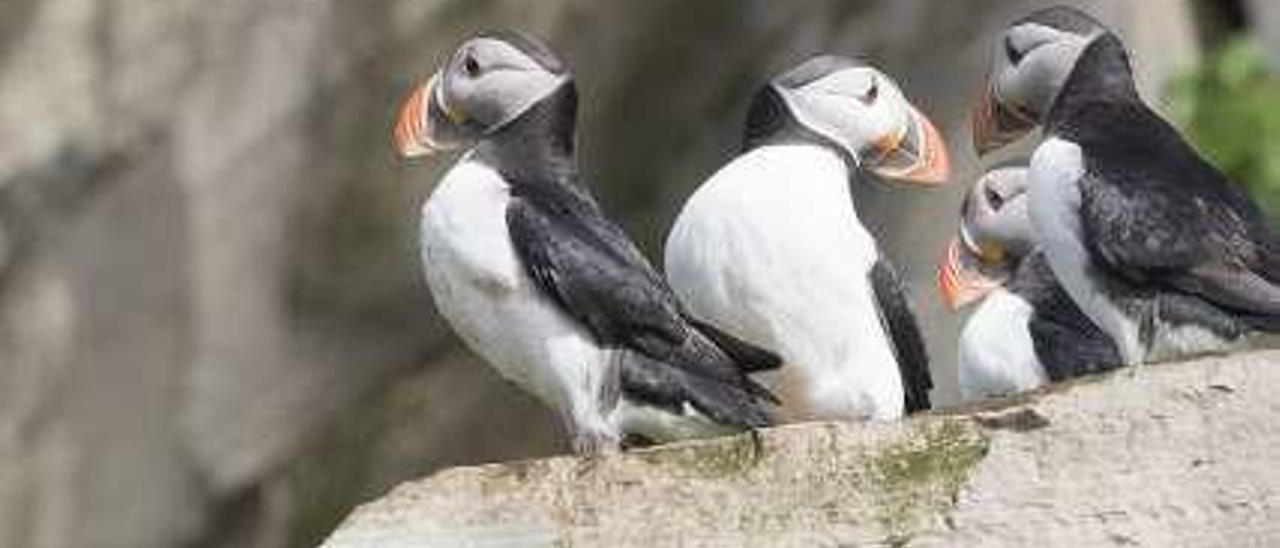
{"type": "Point", "coordinates": [771, 250]}
{"type": "Point", "coordinates": [997, 356]}
{"type": "Point", "coordinates": [480, 287]}
{"type": "Point", "coordinates": [1055, 172]}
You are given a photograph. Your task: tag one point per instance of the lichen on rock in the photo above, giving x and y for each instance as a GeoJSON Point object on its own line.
{"type": "Point", "coordinates": [1160, 455]}
{"type": "Point", "coordinates": [921, 475]}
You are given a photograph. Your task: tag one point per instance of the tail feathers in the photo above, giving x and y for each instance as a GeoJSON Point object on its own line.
{"type": "Point", "coordinates": [1269, 262]}
{"type": "Point", "coordinates": [703, 358]}
{"type": "Point", "coordinates": [750, 358]}
{"type": "Point", "coordinates": [705, 375]}
{"type": "Point", "coordinates": [665, 385]}
{"type": "Point", "coordinates": [1267, 324]}
{"type": "Point", "coordinates": [736, 405]}
{"type": "Point", "coordinates": [1268, 270]}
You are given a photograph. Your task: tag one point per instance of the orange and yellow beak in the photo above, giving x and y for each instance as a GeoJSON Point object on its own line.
{"type": "Point", "coordinates": [960, 282]}
{"type": "Point", "coordinates": [918, 155]}
{"type": "Point", "coordinates": [419, 125]}
{"type": "Point", "coordinates": [995, 125]}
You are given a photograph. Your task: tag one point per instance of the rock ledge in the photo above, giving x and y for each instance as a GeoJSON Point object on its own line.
{"type": "Point", "coordinates": [1182, 454]}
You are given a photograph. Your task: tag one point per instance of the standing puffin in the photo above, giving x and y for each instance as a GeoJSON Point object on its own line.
{"type": "Point", "coordinates": [771, 249]}
{"type": "Point", "coordinates": [527, 269]}
{"type": "Point", "coordinates": [1154, 244]}
{"type": "Point", "coordinates": [1027, 331]}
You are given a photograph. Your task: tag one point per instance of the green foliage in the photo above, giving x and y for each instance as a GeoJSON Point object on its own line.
{"type": "Point", "coordinates": [1230, 109]}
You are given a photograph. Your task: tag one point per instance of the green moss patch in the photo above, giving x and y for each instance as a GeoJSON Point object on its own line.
{"type": "Point", "coordinates": [922, 474]}
{"type": "Point", "coordinates": [709, 460]}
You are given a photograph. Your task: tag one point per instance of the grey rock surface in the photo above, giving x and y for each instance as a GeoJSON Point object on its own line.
{"type": "Point", "coordinates": [1164, 455]}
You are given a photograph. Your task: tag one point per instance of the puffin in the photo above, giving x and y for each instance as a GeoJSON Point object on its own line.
{"type": "Point", "coordinates": [1155, 245]}
{"type": "Point", "coordinates": [1025, 331]}
{"type": "Point", "coordinates": [533, 276]}
{"type": "Point", "coordinates": [770, 248]}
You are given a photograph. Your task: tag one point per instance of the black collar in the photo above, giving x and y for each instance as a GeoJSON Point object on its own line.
{"type": "Point", "coordinates": [538, 145]}
{"type": "Point", "coordinates": [1101, 77]}
{"type": "Point", "coordinates": [770, 122]}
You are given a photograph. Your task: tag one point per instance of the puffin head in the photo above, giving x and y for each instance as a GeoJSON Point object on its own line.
{"type": "Point", "coordinates": [488, 81]}
{"type": "Point", "coordinates": [860, 111]}
{"type": "Point", "coordinates": [1030, 65]}
{"type": "Point", "coordinates": [995, 234]}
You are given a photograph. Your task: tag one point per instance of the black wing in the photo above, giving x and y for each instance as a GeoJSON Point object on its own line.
{"type": "Point", "coordinates": [1069, 347]}
{"type": "Point", "coordinates": [1066, 342]}
{"type": "Point", "coordinates": [750, 357]}
{"type": "Point", "coordinates": [1156, 214]}
{"type": "Point", "coordinates": [908, 344]}
{"type": "Point", "coordinates": [588, 266]}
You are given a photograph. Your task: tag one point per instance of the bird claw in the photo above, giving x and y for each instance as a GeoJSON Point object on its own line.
{"type": "Point", "coordinates": [757, 445]}
{"type": "Point", "coordinates": [592, 447]}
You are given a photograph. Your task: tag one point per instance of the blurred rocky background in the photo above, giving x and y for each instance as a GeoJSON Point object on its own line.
{"type": "Point", "coordinates": [213, 331]}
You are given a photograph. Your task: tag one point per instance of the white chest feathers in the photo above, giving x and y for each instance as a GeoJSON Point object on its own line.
{"type": "Point", "coordinates": [481, 288]}
{"type": "Point", "coordinates": [997, 356]}
{"type": "Point", "coordinates": [1055, 201]}
{"type": "Point", "coordinates": [771, 250]}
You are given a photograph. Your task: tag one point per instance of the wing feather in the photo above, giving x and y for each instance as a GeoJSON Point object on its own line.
{"type": "Point", "coordinates": [1155, 213]}
{"type": "Point", "coordinates": [593, 272]}
{"type": "Point", "coordinates": [904, 334]}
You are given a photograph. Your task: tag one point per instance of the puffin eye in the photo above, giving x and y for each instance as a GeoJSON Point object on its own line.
{"type": "Point", "coordinates": [872, 93]}
{"type": "Point", "coordinates": [1012, 52]}
{"type": "Point", "coordinates": [471, 66]}
{"type": "Point", "coordinates": [994, 199]}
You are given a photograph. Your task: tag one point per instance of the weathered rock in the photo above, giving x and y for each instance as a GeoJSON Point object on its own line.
{"type": "Point", "coordinates": [1180, 454]}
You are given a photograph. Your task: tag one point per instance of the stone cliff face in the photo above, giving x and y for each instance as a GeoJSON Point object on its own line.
{"type": "Point", "coordinates": [1165, 455]}
{"type": "Point", "coordinates": [212, 329]}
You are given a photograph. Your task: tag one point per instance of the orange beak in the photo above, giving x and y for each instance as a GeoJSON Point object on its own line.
{"type": "Point", "coordinates": [994, 125]}
{"type": "Point", "coordinates": [917, 156]}
{"type": "Point", "coordinates": [959, 284]}
{"type": "Point", "coordinates": [416, 132]}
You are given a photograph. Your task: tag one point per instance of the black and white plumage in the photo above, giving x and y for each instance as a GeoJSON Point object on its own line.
{"type": "Point", "coordinates": [1155, 245]}
{"type": "Point", "coordinates": [527, 269]}
{"type": "Point", "coordinates": [771, 249]}
{"type": "Point", "coordinates": [1025, 331]}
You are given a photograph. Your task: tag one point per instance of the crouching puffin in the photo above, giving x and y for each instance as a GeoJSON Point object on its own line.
{"type": "Point", "coordinates": [530, 273]}
{"type": "Point", "coordinates": [1026, 331]}
{"type": "Point", "coordinates": [1155, 245]}
{"type": "Point", "coordinates": [771, 249]}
